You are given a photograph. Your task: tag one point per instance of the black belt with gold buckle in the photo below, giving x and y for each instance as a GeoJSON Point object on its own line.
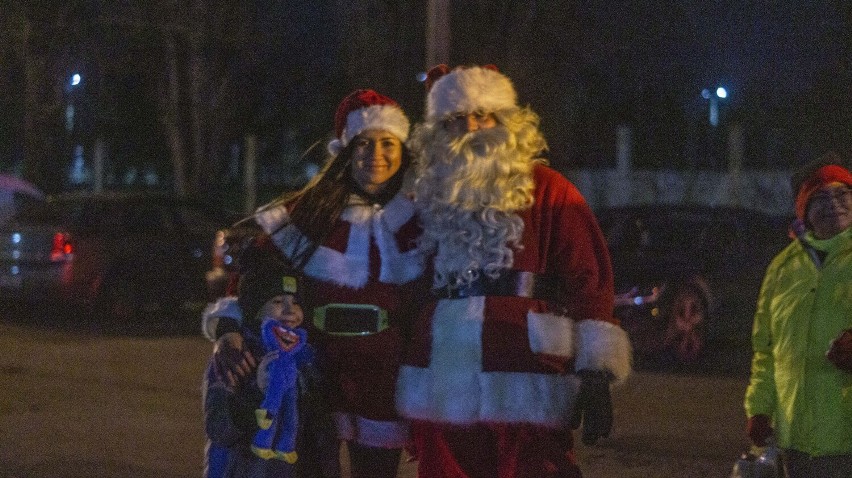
{"type": "Point", "coordinates": [510, 283]}
{"type": "Point", "coordinates": [352, 320]}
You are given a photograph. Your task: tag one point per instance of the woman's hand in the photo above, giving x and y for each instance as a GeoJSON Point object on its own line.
{"type": "Point", "coordinates": [232, 360]}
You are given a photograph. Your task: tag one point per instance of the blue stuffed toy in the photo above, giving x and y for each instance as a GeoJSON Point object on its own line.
{"type": "Point", "coordinates": [277, 416]}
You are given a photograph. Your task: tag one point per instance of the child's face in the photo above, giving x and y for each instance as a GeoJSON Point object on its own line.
{"type": "Point", "coordinates": [285, 309]}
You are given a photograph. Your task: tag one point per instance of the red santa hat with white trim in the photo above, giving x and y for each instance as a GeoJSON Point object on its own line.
{"type": "Point", "coordinates": [467, 89]}
{"type": "Point", "coordinates": [364, 110]}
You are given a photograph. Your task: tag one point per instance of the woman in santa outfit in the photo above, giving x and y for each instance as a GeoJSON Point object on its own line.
{"type": "Point", "coordinates": [351, 232]}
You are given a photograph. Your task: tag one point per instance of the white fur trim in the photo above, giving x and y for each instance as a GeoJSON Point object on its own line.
{"type": "Point", "coordinates": [335, 146]}
{"type": "Point", "coordinates": [388, 118]}
{"type": "Point", "coordinates": [603, 345]}
{"type": "Point", "coordinates": [454, 389]}
{"type": "Point", "coordinates": [467, 397]}
{"type": "Point", "coordinates": [465, 90]}
{"type": "Point", "coordinates": [351, 268]}
{"type": "Point", "coordinates": [375, 433]}
{"type": "Point", "coordinates": [271, 218]}
{"type": "Point", "coordinates": [550, 334]}
{"type": "Point", "coordinates": [224, 307]}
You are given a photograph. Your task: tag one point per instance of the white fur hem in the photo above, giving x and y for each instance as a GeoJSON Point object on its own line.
{"type": "Point", "coordinates": [603, 346]}
{"type": "Point", "coordinates": [225, 307]}
{"type": "Point", "coordinates": [472, 397]}
{"type": "Point", "coordinates": [375, 433]}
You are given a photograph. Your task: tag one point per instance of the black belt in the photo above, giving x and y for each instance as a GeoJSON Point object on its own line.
{"type": "Point", "coordinates": [351, 319]}
{"type": "Point", "coordinates": [510, 283]}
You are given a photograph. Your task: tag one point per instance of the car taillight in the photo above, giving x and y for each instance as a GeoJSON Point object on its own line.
{"type": "Point", "coordinates": [62, 247]}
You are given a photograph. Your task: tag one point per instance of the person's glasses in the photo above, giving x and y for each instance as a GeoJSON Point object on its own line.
{"type": "Point", "coordinates": [480, 117]}
{"type": "Point", "coordinates": [827, 198]}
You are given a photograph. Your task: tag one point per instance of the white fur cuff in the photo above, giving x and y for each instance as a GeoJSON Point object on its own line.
{"type": "Point", "coordinates": [224, 307]}
{"type": "Point", "coordinates": [603, 345]}
{"type": "Point", "coordinates": [550, 334]}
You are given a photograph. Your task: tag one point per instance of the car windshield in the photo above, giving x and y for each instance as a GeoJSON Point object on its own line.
{"type": "Point", "coordinates": [39, 212]}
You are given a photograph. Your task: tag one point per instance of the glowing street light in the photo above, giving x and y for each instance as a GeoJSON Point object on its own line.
{"type": "Point", "coordinates": [714, 97]}
{"type": "Point", "coordinates": [75, 79]}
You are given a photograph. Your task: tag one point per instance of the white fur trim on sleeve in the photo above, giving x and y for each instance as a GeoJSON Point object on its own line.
{"type": "Point", "coordinates": [272, 218]}
{"type": "Point", "coordinates": [550, 334]}
{"type": "Point", "coordinates": [226, 307]}
{"type": "Point", "coordinates": [603, 345]}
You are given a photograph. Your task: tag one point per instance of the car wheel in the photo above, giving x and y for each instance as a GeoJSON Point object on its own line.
{"type": "Point", "coordinates": [688, 313]}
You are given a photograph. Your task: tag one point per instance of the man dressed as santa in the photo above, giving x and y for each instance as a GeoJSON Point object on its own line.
{"type": "Point", "coordinates": [519, 344]}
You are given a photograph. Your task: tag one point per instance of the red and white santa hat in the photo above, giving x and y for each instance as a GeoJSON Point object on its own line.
{"type": "Point", "coordinates": [363, 110]}
{"type": "Point", "coordinates": [467, 89]}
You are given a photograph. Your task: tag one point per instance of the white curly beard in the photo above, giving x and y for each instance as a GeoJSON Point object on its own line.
{"type": "Point", "coordinates": [468, 192]}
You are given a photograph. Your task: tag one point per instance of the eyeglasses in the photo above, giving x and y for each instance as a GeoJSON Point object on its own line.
{"type": "Point", "coordinates": [827, 198]}
{"type": "Point", "coordinates": [481, 118]}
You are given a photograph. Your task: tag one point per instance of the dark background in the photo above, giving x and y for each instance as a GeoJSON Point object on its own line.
{"type": "Point", "coordinates": [174, 87]}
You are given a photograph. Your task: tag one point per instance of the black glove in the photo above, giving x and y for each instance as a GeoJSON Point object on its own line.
{"type": "Point", "coordinates": [594, 405]}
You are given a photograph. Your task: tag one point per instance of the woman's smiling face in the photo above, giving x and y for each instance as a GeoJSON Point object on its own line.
{"type": "Point", "coordinates": [376, 157]}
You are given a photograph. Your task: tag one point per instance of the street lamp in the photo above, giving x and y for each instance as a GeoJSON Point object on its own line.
{"type": "Point", "coordinates": [714, 97]}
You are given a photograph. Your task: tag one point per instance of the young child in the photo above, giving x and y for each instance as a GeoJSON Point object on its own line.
{"type": "Point", "coordinates": [284, 396]}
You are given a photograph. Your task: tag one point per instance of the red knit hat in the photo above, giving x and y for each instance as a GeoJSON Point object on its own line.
{"type": "Point", "coordinates": [366, 109]}
{"type": "Point", "coordinates": [823, 176]}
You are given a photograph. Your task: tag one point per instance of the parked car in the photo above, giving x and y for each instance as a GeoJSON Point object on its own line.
{"type": "Point", "coordinates": [120, 255]}
{"type": "Point", "coordinates": [688, 271]}
{"type": "Point", "coordinates": [16, 193]}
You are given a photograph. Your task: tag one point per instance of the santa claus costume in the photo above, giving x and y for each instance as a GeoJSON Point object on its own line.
{"type": "Point", "coordinates": [523, 292]}
{"type": "Point", "coordinates": [359, 276]}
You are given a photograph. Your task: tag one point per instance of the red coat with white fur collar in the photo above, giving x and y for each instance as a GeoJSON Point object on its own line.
{"type": "Point", "coordinates": [502, 359]}
{"type": "Point", "coordinates": [369, 258]}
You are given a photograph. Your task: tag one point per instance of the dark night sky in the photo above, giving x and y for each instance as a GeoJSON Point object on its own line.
{"type": "Point", "coordinates": [774, 47]}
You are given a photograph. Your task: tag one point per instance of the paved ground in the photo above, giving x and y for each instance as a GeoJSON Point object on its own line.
{"type": "Point", "coordinates": [94, 405]}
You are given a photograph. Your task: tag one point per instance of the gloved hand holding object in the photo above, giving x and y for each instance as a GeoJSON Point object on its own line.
{"type": "Point", "coordinates": [759, 430]}
{"type": "Point", "coordinates": [594, 405]}
{"type": "Point", "coordinates": [840, 351]}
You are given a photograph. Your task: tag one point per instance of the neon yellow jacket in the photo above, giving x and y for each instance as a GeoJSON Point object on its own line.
{"type": "Point", "coordinates": [801, 308]}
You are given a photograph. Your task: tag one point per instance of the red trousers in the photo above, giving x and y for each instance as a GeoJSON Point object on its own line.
{"type": "Point", "coordinates": [493, 451]}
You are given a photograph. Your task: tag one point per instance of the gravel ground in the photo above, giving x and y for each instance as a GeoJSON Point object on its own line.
{"type": "Point", "coordinates": [96, 405]}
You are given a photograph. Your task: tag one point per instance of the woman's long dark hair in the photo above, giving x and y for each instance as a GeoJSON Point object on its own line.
{"type": "Point", "coordinates": [315, 208]}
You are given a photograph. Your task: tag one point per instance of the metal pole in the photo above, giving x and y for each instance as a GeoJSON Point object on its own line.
{"type": "Point", "coordinates": [437, 32]}
{"type": "Point", "coordinates": [250, 174]}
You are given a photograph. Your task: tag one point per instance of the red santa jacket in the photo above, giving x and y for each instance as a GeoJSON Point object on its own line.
{"type": "Point", "coordinates": [370, 257]}
{"type": "Point", "coordinates": [497, 359]}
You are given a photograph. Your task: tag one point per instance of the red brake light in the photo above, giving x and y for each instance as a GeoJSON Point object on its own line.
{"type": "Point", "coordinates": [62, 247]}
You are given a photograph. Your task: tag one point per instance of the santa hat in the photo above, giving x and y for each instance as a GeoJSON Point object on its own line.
{"type": "Point", "coordinates": [825, 175]}
{"type": "Point", "coordinates": [363, 110]}
{"type": "Point", "coordinates": [467, 90]}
